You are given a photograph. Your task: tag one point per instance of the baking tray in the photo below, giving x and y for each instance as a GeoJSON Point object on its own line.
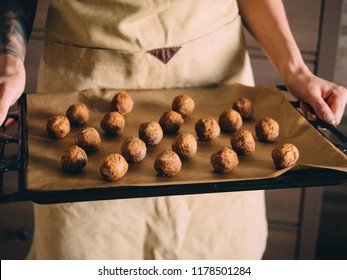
{"type": "Point", "coordinates": [19, 191]}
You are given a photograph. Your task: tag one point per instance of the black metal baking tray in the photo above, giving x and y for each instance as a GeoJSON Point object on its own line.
{"type": "Point", "coordinates": [13, 171]}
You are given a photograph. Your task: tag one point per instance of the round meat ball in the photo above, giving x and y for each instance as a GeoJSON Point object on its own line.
{"type": "Point", "coordinates": [78, 114]}
{"type": "Point", "coordinates": [224, 160]}
{"type": "Point", "coordinates": [285, 155]}
{"type": "Point", "coordinates": [122, 103]}
{"type": "Point", "coordinates": [58, 127]}
{"type": "Point", "coordinates": [207, 129]}
{"type": "Point", "coordinates": [113, 167]}
{"type": "Point", "coordinates": [245, 107]}
{"type": "Point", "coordinates": [184, 105]}
{"type": "Point", "coordinates": [185, 145]}
{"type": "Point", "coordinates": [171, 122]}
{"type": "Point", "coordinates": [74, 159]}
{"type": "Point", "coordinates": [133, 149]}
{"type": "Point", "coordinates": [88, 139]}
{"type": "Point", "coordinates": [267, 130]}
{"type": "Point", "coordinates": [243, 142]}
{"type": "Point", "coordinates": [112, 123]}
{"type": "Point", "coordinates": [151, 133]}
{"type": "Point", "coordinates": [230, 120]}
{"type": "Point", "coordinates": [167, 163]}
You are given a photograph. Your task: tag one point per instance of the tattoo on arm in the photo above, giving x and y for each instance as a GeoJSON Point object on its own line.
{"type": "Point", "coordinates": [16, 21]}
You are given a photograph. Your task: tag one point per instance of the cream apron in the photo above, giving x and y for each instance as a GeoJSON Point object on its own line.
{"type": "Point", "coordinates": [125, 44]}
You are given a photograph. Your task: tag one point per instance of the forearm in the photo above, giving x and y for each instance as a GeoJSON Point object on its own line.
{"type": "Point", "coordinates": [267, 22]}
{"type": "Point", "coordinates": [16, 21]}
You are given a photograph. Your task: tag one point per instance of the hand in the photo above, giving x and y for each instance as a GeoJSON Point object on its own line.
{"type": "Point", "coordinates": [12, 82]}
{"type": "Point", "coordinates": [327, 99]}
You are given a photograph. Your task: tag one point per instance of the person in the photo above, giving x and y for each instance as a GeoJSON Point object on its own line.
{"type": "Point", "coordinates": [155, 44]}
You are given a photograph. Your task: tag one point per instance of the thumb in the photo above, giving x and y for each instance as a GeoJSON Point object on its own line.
{"type": "Point", "coordinates": [323, 111]}
{"type": "Point", "coordinates": [2, 117]}
{"type": "Point", "coordinates": [4, 107]}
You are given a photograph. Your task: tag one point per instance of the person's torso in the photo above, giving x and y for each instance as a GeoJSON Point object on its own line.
{"type": "Point", "coordinates": [135, 25]}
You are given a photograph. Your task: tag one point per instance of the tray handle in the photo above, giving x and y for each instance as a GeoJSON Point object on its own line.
{"type": "Point", "coordinates": [320, 125]}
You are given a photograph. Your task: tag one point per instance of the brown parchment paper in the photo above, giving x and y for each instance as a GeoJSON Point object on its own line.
{"type": "Point", "coordinates": [44, 169]}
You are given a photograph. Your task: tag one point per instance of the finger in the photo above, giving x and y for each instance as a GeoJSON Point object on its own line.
{"type": "Point", "coordinates": [308, 111]}
{"type": "Point", "coordinates": [5, 104]}
{"type": "Point", "coordinates": [337, 104]}
{"type": "Point", "coordinates": [8, 96]}
{"type": "Point", "coordinates": [322, 110]}
{"type": "Point", "coordinates": [9, 122]}
{"type": "Point", "coordinates": [3, 115]}
{"type": "Point", "coordinates": [337, 112]}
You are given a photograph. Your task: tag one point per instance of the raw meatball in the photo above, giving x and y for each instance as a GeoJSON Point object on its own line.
{"type": "Point", "coordinates": [58, 127]}
{"type": "Point", "coordinates": [78, 114]}
{"type": "Point", "coordinates": [171, 122]}
{"type": "Point", "coordinates": [185, 145]}
{"type": "Point", "coordinates": [133, 149]}
{"type": "Point", "coordinates": [74, 159]}
{"type": "Point", "coordinates": [207, 128]}
{"type": "Point", "coordinates": [285, 155]}
{"type": "Point", "coordinates": [113, 167]}
{"type": "Point", "coordinates": [88, 139]}
{"type": "Point", "coordinates": [150, 133]}
{"type": "Point", "coordinates": [112, 123]}
{"type": "Point", "coordinates": [245, 107]}
{"type": "Point", "coordinates": [230, 120]}
{"type": "Point", "coordinates": [267, 130]}
{"type": "Point", "coordinates": [122, 103]}
{"type": "Point", "coordinates": [224, 160]}
{"type": "Point", "coordinates": [183, 104]}
{"type": "Point", "coordinates": [167, 163]}
{"type": "Point", "coordinates": [243, 142]}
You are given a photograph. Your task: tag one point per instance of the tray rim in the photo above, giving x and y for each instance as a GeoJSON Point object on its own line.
{"type": "Point", "coordinates": [292, 179]}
